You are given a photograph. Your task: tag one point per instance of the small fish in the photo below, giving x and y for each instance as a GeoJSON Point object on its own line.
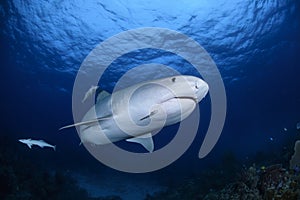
{"type": "Point", "coordinates": [89, 93]}
{"type": "Point", "coordinates": [40, 143]}
{"type": "Point", "coordinates": [285, 129]}
{"type": "Point", "coordinates": [271, 139]}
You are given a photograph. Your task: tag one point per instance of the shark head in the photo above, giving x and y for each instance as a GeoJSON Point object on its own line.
{"type": "Point", "coordinates": [185, 87]}
{"type": "Point", "coordinates": [198, 86]}
{"type": "Point", "coordinates": [24, 140]}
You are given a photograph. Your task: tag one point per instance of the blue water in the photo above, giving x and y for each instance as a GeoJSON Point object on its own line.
{"type": "Point", "coordinates": [255, 45]}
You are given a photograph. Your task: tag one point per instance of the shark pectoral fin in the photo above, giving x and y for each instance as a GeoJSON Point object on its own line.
{"type": "Point", "coordinates": [151, 114]}
{"type": "Point", "coordinates": [145, 140]}
{"type": "Point", "coordinates": [29, 145]}
{"type": "Point", "coordinates": [86, 122]}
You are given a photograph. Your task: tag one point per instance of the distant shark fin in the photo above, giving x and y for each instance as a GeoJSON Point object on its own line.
{"type": "Point", "coordinates": [145, 140]}
{"type": "Point", "coordinates": [86, 122]}
{"type": "Point", "coordinates": [101, 95]}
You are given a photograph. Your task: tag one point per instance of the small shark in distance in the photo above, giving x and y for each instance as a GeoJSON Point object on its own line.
{"type": "Point", "coordinates": [40, 143]}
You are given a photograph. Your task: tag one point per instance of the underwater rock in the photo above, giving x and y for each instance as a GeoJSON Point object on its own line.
{"type": "Point", "coordinates": [295, 160]}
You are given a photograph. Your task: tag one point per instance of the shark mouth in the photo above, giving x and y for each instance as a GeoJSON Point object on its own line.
{"type": "Point", "coordinates": [182, 97]}
{"type": "Point", "coordinates": [185, 97]}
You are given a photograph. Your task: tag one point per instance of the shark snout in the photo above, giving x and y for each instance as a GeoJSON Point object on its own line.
{"type": "Point", "coordinates": [202, 90]}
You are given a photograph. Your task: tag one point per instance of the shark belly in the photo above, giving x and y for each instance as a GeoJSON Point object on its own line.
{"type": "Point", "coordinates": [101, 132]}
{"type": "Point", "coordinates": [178, 109]}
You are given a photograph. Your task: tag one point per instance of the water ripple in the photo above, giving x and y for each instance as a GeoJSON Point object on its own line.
{"type": "Point", "coordinates": [57, 35]}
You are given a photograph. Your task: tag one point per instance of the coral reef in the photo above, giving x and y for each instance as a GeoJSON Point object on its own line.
{"type": "Point", "coordinates": [21, 179]}
{"type": "Point", "coordinates": [271, 182]}
{"type": "Point", "coordinates": [267, 183]}
{"type": "Point", "coordinates": [278, 183]}
{"type": "Point", "coordinates": [235, 191]}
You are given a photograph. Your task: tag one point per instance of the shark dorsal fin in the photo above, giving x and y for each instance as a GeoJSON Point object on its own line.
{"type": "Point", "coordinates": [101, 95]}
{"type": "Point", "coordinates": [145, 140]}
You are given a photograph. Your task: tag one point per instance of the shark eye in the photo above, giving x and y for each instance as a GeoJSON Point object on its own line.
{"type": "Point", "coordinates": [196, 85]}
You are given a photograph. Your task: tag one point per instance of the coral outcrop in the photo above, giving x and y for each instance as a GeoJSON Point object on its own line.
{"type": "Point", "coordinates": [295, 160]}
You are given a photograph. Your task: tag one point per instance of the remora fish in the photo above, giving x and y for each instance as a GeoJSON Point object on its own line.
{"type": "Point", "coordinates": [133, 113]}
{"type": "Point", "coordinates": [89, 93]}
{"type": "Point", "coordinates": [40, 143]}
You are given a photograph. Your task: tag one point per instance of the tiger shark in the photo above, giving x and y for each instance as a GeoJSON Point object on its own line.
{"type": "Point", "coordinates": [136, 112]}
